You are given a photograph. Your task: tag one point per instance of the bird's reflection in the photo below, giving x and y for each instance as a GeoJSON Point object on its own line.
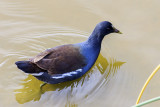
{"type": "Point", "coordinates": [32, 89]}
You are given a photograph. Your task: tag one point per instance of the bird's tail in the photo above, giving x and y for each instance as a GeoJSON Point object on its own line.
{"type": "Point", "coordinates": [28, 67]}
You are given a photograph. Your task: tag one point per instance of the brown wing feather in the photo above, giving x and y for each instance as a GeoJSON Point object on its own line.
{"type": "Point", "coordinates": [41, 55]}
{"type": "Point", "coordinates": [60, 60]}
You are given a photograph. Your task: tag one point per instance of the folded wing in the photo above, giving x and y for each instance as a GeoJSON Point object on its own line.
{"type": "Point", "coordinates": [59, 60]}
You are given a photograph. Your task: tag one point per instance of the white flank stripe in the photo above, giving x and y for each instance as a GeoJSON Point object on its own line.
{"type": "Point", "coordinates": [58, 77]}
{"type": "Point", "coordinates": [79, 70]}
{"type": "Point", "coordinates": [67, 74]}
{"type": "Point", "coordinates": [37, 74]}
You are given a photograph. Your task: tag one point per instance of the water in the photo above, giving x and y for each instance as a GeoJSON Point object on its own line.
{"type": "Point", "coordinates": [28, 27]}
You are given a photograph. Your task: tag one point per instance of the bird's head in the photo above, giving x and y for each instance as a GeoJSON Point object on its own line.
{"type": "Point", "coordinates": [104, 28]}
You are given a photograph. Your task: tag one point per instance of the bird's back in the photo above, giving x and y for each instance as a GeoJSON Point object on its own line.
{"type": "Point", "coordinates": [59, 60]}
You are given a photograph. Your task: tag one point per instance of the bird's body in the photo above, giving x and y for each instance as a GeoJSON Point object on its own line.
{"type": "Point", "coordinates": [67, 62]}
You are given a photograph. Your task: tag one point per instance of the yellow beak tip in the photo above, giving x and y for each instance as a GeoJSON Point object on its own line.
{"type": "Point", "coordinates": [120, 32]}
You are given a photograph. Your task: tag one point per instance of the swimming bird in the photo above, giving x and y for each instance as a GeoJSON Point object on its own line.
{"type": "Point", "coordinates": [67, 62]}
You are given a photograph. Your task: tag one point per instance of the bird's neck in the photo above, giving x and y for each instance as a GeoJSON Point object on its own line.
{"type": "Point", "coordinates": [95, 40]}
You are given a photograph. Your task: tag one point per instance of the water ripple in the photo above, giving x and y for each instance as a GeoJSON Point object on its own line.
{"type": "Point", "coordinates": [17, 9]}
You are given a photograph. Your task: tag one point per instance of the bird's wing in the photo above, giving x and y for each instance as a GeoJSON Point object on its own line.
{"type": "Point", "coordinates": [41, 55]}
{"type": "Point", "coordinates": [60, 60]}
